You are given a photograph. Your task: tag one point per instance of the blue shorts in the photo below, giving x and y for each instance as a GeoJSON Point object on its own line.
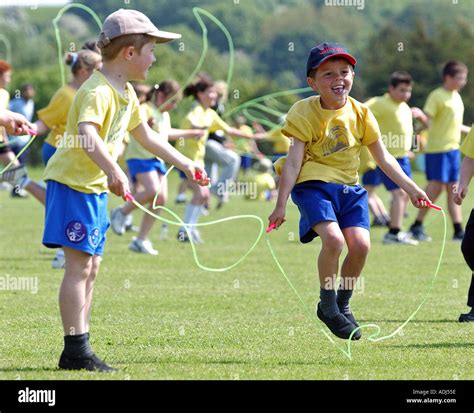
{"type": "Point", "coordinates": [47, 151]}
{"type": "Point", "coordinates": [139, 166]}
{"type": "Point", "coordinates": [320, 201]}
{"type": "Point", "coordinates": [387, 182]}
{"type": "Point", "coordinates": [182, 175]}
{"type": "Point", "coordinates": [444, 166]}
{"type": "Point", "coordinates": [371, 177]}
{"type": "Point", "coordinates": [75, 219]}
{"type": "Point", "coordinates": [245, 162]}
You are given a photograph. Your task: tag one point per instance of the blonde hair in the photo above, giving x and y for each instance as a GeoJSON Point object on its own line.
{"type": "Point", "coordinates": [222, 90]}
{"type": "Point", "coordinates": [111, 51]}
{"type": "Point", "coordinates": [83, 59]}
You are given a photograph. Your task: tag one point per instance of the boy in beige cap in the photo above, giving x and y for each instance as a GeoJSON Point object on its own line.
{"type": "Point", "coordinates": [84, 168]}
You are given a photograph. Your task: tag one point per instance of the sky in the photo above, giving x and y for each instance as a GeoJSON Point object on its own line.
{"type": "Point", "coordinates": [33, 3]}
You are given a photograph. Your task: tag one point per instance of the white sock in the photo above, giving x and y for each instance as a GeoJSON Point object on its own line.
{"type": "Point", "coordinates": [196, 214]}
{"type": "Point", "coordinates": [188, 214]}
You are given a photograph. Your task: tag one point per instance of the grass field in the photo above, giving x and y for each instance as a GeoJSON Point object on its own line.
{"type": "Point", "coordinates": [163, 318]}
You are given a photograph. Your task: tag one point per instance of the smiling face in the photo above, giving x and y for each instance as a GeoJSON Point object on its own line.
{"type": "Point", "coordinates": [333, 81]}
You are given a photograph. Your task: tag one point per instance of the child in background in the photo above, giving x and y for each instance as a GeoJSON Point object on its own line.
{"type": "Point", "coordinates": [262, 185]}
{"type": "Point", "coordinates": [467, 246]}
{"type": "Point", "coordinates": [201, 116]}
{"type": "Point", "coordinates": [443, 115]}
{"type": "Point", "coordinates": [396, 125]}
{"type": "Point", "coordinates": [246, 148]}
{"type": "Point", "coordinates": [80, 175]}
{"type": "Point", "coordinates": [321, 174]}
{"type": "Point", "coordinates": [370, 180]}
{"type": "Point", "coordinates": [147, 170]}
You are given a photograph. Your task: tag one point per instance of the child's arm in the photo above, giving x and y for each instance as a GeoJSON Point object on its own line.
{"type": "Point", "coordinates": [290, 173]}
{"type": "Point", "coordinates": [175, 134]}
{"type": "Point", "coordinates": [39, 127]}
{"type": "Point", "coordinates": [14, 123]}
{"type": "Point", "coordinates": [151, 141]}
{"type": "Point", "coordinates": [392, 169]}
{"type": "Point", "coordinates": [467, 171]}
{"type": "Point", "coordinates": [97, 150]}
{"type": "Point", "coordinates": [465, 129]}
{"type": "Point", "coordinates": [425, 119]}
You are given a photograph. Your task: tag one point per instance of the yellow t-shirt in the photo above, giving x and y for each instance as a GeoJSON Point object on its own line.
{"type": "Point", "coordinates": [4, 99]}
{"type": "Point", "coordinates": [396, 123]}
{"type": "Point", "coordinates": [54, 116]}
{"type": "Point", "coordinates": [162, 126]}
{"type": "Point", "coordinates": [446, 110]}
{"type": "Point", "coordinates": [264, 182]}
{"type": "Point", "coordinates": [367, 162]}
{"type": "Point", "coordinates": [98, 102]}
{"type": "Point", "coordinates": [242, 145]}
{"type": "Point", "coordinates": [332, 138]}
{"type": "Point", "coordinates": [467, 148]}
{"type": "Point", "coordinates": [195, 149]}
{"type": "Point", "coordinates": [281, 144]}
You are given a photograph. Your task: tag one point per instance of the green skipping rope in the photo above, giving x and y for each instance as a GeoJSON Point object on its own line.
{"type": "Point", "coordinates": [347, 351]}
{"type": "Point", "coordinates": [311, 314]}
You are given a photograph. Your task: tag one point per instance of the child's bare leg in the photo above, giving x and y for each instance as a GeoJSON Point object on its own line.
{"type": "Point", "coordinates": [96, 260]}
{"type": "Point", "coordinates": [148, 221]}
{"type": "Point", "coordinates": [454, 209]}
{"type": "Point", "coordinates": [37, 191]}
{"type": "Point", "coordinates": [332, 245]}
{"type": "Point", "coordinates": [358, 244]}
{"type": "Point", "coordinates": [72, 294]}
{"type": "Point", "coordinates": [433, 190]}
{"type": "Point", "coordinates": [397, 210]}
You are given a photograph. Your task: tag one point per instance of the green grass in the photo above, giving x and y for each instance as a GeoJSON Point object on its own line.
{"type": "Point", "coordinates": [163, 318]}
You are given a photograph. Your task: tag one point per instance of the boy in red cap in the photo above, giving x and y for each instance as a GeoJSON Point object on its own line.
{"type": "Point", "coordinates": [320, 172]}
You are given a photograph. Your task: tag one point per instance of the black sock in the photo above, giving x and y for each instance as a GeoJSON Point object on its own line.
{"type": "Point", "coordinates": [328, 303]}
{"type": "Point", "coordinates": [343, 297]}
{"type": "Point", "coordinates": [77, 346]}
{"type": "Point", "coordinates": [417, 223]}
{"type": "Point", "coordinates": [394, 231]}
{"type": "Point", "coordinates": [457, 228]}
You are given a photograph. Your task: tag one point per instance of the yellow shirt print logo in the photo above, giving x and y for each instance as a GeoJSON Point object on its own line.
{"type": "Point", "coordinates": [336, 141]}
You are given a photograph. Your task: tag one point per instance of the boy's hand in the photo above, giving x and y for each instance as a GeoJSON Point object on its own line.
{"type": "Point", "coordinates": [259, 136]}
{"type": "Point", "coordinates": [417, 113]}
{"type": "Point", "coordinates": [117, 182]}
{"type": "Point", "coordinates": [277, 217]}
{"type": "Point", "coordinates": [419, 199]}
{"type": "Point", "coordinates": [460, 192]}
{"type": "Point", "coordinates": [195, 174]}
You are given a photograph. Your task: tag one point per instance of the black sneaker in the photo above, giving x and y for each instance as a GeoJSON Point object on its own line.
{"type": "Point", "coordinates": [466, 318]}
{"type": "Point", "coordinates": [418, 233]}
{"type": "Point", "coordinates": [350, 317]}
{"type": "Point", "coordinates": [458, 236]}
{"type": "Point", "coordinates": [92, 363]}
{"type": "Point", "coordinates": [339, 325]}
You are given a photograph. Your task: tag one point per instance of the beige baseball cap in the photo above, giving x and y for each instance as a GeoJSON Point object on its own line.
{"type": "Point", "coordinates": [127, 21]}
